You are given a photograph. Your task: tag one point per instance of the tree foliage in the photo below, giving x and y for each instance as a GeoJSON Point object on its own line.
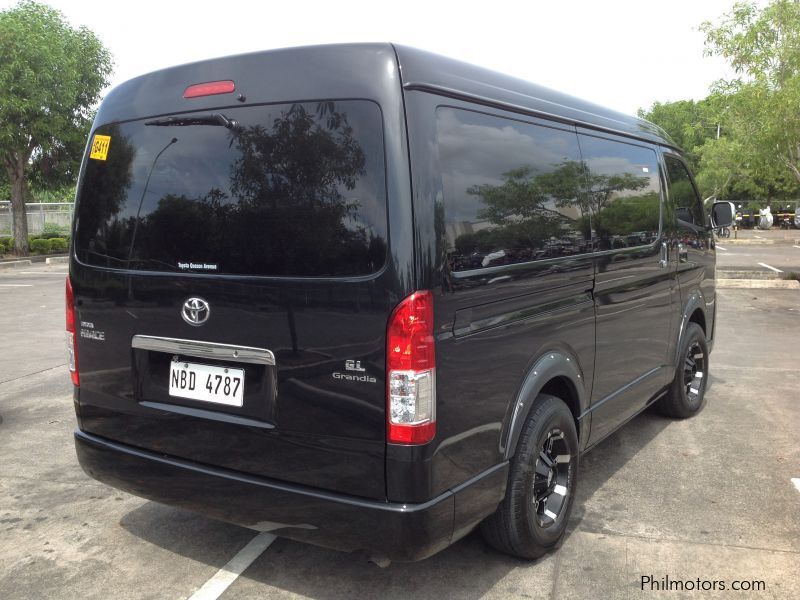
{"type": "Point", "coordinates": [51, 76]}
{"type": "Point", "coordinates": [687, 122]}
{"type": "Point", "coordinates": [743, 140]}
{"type": "Point", "coordinates": [758, 108]}
{"type": "Point", "coordinates": [762, 45]}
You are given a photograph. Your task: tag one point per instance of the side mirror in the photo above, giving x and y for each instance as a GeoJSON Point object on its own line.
{"type": "Point", "coordinates": [722, 214]}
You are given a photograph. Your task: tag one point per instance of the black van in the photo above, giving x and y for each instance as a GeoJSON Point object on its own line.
{"type": "Point", "coordinates": [367, 297]}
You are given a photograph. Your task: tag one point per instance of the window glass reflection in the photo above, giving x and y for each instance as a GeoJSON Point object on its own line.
{"type": "Point", "coordinates": [623, 192]}
{"type": "Point", "coordinates": [512, 191]}
{"type": "Point", "coordinates": [291, 190]}
{"type": "Point", "coordinates": [683, 197]}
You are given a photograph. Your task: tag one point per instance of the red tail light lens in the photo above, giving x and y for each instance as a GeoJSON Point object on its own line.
{"type": "Point", "coordinates": [72, 347]}
{"type": "Point", "coordinates": [210, 88]}
{"type": "Point", "coordinates": [411, 371]}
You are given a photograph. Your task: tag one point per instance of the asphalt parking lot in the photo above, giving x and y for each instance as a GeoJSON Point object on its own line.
{"type": "Point", "coordinates": [710, 498]}
{"type": "Point", "coordinates": [770, 252]}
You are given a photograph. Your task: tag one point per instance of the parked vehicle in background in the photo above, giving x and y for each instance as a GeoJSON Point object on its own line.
{"type": "Point", "coordinates": [785, 217]}
{"type": "Point", "coordinates": [371, 298]}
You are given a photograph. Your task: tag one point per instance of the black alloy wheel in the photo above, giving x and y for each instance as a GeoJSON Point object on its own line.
{"type": "Point", "coordinates": [694, 372]}
{"type": "Point", "coordinates": [551, 478]}
{"type": "Point", "coordinates": [533, 516]}
{"type": "Point", "coordinates": [686, 396]}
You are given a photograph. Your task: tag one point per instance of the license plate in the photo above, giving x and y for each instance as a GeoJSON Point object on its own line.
{"type": "Point", "coordinates": [206, 383]}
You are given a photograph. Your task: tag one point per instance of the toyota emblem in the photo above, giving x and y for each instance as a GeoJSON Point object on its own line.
{"type": "Point", "coordinates": [195, 311]}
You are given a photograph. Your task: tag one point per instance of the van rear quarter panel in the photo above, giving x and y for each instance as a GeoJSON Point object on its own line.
{"type": "Point", "coordinates": [490, 328]}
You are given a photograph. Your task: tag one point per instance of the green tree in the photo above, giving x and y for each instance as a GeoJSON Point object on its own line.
{"type": "Point", "coordinates": [5, 189]}
{"type": "Point", "coordinates": [758, 108]}
{"type": "Point", "coordinates": [51, 76]}
{"type": "Point", "coordinates": [690, 124]}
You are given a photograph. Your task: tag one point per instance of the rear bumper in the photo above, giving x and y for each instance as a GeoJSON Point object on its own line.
{"type": "Point", "coordinates": [402, 532]}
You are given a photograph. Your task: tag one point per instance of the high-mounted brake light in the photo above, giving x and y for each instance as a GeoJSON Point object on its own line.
{"type": "Point", "coordinates": [210, 88]}
{"type": "Point", "coordinates": [72, 347]}
{"type": "Point", "coordinates": [411, 371]}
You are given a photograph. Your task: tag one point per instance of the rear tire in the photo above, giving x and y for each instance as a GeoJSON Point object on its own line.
{"type": "Point", "coordinates": [687, 394]}
{"type": "Point", "coordinates": [532, 518]}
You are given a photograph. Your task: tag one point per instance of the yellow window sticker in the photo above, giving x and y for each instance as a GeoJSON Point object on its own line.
{"type": "Point", "coordinates": [100, 145]}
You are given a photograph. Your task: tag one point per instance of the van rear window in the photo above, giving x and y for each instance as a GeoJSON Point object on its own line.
{"type": "Point", "coordinates": [293, 190]}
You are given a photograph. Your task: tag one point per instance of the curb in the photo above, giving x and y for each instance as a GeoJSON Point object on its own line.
{"type": "Point", "coordinates": [754, 242]}
{"type": "Point", "coordinates": [36, 258]}
{"type": "Point", "coordinates": [733, 242]}
{"type": "Point", "coordinates": [745, 274]}
{"type": "Point", "coordinates": [57, 260]}
{"type": "Point", "coordinates": [15, 264]}
{"type": "Point", "coordinates": [781, 284]}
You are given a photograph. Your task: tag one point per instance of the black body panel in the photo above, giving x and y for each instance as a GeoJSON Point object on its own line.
{"type": "Point", "coordinates": [492, 325]}
{"type": "Point", "coordinates": [402, 532]}
{"type": "Point", "coordinates": [313, 428]}
{"type": "Point", "coordinates": [452, 78]}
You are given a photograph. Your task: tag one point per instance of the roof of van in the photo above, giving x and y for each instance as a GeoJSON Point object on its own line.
{"type": "Point", "coordinates": [347, 69]}
{"type": "Point", "coordinates": [432, 72]}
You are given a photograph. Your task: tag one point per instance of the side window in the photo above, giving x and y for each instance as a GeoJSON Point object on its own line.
{"type": "Point", "coordinates": [685, 202]}
{"type": "Point", "coordinates": [513, 191]}
{"type": "Point", "coordinates": [624, 192]}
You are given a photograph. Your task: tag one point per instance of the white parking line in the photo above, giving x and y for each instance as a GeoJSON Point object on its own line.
{"type": "Point", "coordinates": [221, 581]}
{"type": "Point", "coordinates": [795, 246]}
{"type": "Point", "coordinates": [15, 285]}
{"type": "Point", "coordinates": [796, 482]}
{"type": "Point", "coordinates": [766, 266]}
{"type": "Point", "coordinates": [758, 236]}
{"type": "Point", "coordinates": [721, 248]}
{"type": "Point", "coordinates": [59, 273]}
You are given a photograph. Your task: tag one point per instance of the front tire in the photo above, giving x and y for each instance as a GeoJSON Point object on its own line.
{"type": "Point", "coordinates": [687, 394]}
{"type": "Point", "coordinates": [532, 518]}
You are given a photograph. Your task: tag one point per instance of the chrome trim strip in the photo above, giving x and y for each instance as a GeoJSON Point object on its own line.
{"type": "Point", "coordinates": [245, 354]}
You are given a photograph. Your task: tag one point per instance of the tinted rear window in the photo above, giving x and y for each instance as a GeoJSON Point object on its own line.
{"type": "Point", "coordinates": [287, 190]}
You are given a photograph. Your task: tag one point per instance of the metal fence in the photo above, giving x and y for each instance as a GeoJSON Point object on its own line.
{"type": "Point", "coordinates": [53, 214]}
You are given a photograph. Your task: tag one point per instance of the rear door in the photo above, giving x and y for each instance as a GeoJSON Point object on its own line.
{"type": "Point", "coordinates": [233, 283]}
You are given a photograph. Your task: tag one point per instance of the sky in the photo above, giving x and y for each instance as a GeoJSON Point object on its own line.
{"type": "Point", "coordinates": [623, 54]}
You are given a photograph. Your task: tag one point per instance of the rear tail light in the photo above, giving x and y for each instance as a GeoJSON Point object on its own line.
{"type": "Point", "coordinates": [72, 348]}
{"type": "Point", "coordinates": [411, 371]}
